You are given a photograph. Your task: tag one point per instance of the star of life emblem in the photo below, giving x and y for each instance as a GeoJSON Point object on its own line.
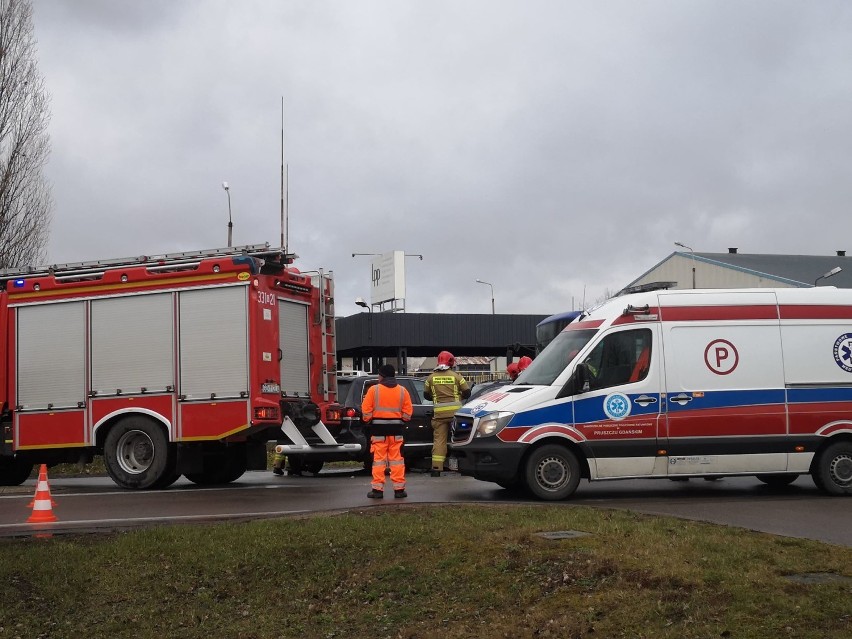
{"type": "Point", "coordinates": [843, 352]}
{"type": "Point", "coordinates": [617, 406]}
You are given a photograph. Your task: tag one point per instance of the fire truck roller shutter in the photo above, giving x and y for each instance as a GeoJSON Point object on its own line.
{"type": "Point", "coordinates": [51, 355]}
{"type": "Point", "coordinates": [293, 340]}
{"type": "Point", "coordinates": [213, 342]}
{"type": "Point", "coordinates": [133, 344]}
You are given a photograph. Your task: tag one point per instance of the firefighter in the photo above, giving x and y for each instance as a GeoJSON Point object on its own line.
{"type": "Point", "coordinates": [446, 389]}
{"type": "Point", "coordinates": [278, 463]}
{"type": "Point", "coordinates": [294, 469]}
{"type": "Point", "coordinates": [386, 407]}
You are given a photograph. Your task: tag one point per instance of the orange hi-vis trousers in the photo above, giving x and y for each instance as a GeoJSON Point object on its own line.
{"type": "Point", "coordinates": [387, 451]}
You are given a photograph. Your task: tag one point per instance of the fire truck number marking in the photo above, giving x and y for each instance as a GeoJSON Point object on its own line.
{"type": "Point", "coordinates": [843, 352]}
{"type": "Point", "coordinates": [267, 299]}
{"type": "Point", "coordinates": [721, 357]}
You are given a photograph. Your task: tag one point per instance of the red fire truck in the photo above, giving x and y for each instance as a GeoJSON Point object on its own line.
{"type": "Point", "coordinates": [169, 365]}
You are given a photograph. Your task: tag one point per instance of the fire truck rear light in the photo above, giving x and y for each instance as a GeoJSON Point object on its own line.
{"type": "Point", "coordinates": [266, 412]}
{"type": "Point", "coordinates": [350, 412]}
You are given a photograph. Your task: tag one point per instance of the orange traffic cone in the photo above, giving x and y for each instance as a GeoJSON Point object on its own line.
{"type": "Point", "coordinates": [42, 503]}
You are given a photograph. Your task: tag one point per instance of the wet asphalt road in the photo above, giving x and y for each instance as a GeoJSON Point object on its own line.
{"type": "Point", "coordinates": [96, 504]}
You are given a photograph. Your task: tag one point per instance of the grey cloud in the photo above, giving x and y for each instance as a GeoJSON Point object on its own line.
{"type": "Point", "coordinates": [547, 147]}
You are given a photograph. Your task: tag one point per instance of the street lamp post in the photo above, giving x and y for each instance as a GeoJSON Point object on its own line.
{"type": "Point", "coordinates": [831, 273]}
{"type": "Point", "coordinates": [360, 302]}
{"type": "Point", "coordinates": [492, 293]}
{"type": "Point", "coordinates": [681, 245]}
{"type": "Point", "coordinates": [230, 223]}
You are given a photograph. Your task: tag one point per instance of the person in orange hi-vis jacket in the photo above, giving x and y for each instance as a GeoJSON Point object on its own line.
{"type": "Point", "coordinates": [386, 408]}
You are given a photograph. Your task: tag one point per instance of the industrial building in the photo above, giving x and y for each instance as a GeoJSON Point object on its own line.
{"type": "Point", "coordinates": [743, 270]}
{"type": "Point", "coordinates": [368, 337]}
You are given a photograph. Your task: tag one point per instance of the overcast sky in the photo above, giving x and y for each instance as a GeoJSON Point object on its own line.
{"type": "Point", "coordinates": [556, 149]}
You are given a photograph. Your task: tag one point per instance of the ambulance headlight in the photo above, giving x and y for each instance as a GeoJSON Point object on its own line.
{"type": "Point", "coordinates": [493, 423]}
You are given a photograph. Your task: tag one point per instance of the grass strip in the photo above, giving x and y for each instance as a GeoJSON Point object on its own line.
{"type": "Point", "coordinates": [426, 572]}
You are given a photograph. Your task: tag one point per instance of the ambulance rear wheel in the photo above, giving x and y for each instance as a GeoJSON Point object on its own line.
{"type": "Point", "coordinates": [833, 469]}
{"type": "Point", "coordinates": [137, 454]}
{"type": "Point", "coordinates": [552, 472]}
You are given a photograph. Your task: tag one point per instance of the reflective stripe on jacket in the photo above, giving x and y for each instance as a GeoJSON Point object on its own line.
{"type": "Point", "coordinates": [447, 389]}
{"type": "Point", "coordinates": [386, 407]}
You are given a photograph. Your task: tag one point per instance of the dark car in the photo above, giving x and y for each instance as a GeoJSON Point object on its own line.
{"type": "Point", "coordinates": [417, 450]}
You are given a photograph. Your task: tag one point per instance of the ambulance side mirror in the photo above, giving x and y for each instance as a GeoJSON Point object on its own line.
{"type": "Point", "coordinates": [582, 378]}
{"type": "Point", "coordinates": [577, 383]}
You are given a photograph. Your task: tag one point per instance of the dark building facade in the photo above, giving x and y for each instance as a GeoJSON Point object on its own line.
{"type": "Point", "coordinates": [366, 336]}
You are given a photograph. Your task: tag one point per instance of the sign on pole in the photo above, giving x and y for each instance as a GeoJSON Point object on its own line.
{"type": "Point", "coordinates": [388, 277]}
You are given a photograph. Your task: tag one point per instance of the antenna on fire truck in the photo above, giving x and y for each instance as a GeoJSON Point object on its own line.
{"type": "Point", "coordinates": [285, 193]}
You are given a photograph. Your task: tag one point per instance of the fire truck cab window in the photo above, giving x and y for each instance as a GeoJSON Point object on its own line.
{"type": "Point", "coordinates": [620, 358]}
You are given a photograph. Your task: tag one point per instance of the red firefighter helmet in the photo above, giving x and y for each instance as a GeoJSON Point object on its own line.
{"type": "Point", "coordinates": [523, 363]}
{"type": "Point", "coordinates": [512, 370]}
{"type": "Point", "coordinates": [445, 358]}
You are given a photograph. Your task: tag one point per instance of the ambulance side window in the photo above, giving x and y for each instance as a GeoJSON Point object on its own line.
{"type": "Point", "coordinates": [620, 358]}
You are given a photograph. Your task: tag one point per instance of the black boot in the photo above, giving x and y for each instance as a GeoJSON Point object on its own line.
{"type": "Point", "coordinates": [435, 473]}
{"type": "Point", "coordinates": [376, 494]}
{"type": "Point", "coordinates": [400, 494]}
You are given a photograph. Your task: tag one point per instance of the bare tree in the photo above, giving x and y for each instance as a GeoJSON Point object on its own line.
{"type": "Point", "coordinates": [25, 195]}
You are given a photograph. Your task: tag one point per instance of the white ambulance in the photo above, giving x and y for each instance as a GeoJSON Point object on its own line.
{"type": "Point", "coordinates": [676, 384]}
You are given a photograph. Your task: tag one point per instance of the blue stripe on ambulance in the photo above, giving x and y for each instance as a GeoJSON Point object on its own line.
{"type": "Point", "coordinates": [812, 395]}
{"type": "Point", "coordinates": [727, 399]}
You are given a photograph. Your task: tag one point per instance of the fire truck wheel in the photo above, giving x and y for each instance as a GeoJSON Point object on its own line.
{"type": "Point", "coordinates": [222, 468]}
{"type": "Point", "coordinates": [313, 466]}
{"type": "Point", "coordinates": [172, 474]}
{"type": "Point", "coordinates": [778, 480]}
{"type": "Point", "coordinates": [136, 452]}
{"type": "Point", "coordinates": [14, 472]}
{"type": "Point", "coordinates": [552, 472]}
{"type": "Point", "coordinates": [832, 472]}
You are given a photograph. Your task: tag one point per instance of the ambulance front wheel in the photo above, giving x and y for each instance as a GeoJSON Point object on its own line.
{"type": "Point", "coordinates": [552, 472]}
{"type": "Point", "coordinates": [833, 470]}
{"type": "Point", "coordinates": [137, 454]}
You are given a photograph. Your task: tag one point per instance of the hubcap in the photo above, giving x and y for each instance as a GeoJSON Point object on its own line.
{"type": "Point", "coordinates": [841, 469]}
{"type": "Point", "coordinates": [135, 452]}
{"type": "Point", "coordinates": [552, 473]}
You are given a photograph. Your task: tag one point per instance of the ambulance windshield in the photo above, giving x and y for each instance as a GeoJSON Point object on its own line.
{"type": "Point", "coordinates": [552, 360]}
